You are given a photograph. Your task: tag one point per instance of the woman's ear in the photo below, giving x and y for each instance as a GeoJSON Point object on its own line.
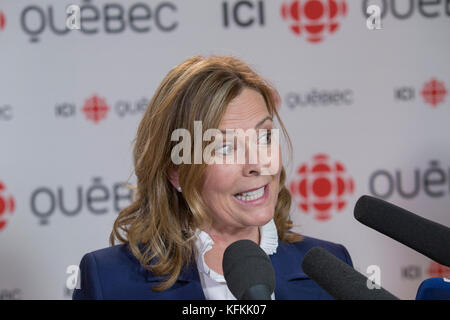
{"type": "Point", "coordinates": [172, 173]}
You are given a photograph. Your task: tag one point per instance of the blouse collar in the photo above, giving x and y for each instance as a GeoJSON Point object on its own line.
{"type": "Point", "coordinates": [268, 242]}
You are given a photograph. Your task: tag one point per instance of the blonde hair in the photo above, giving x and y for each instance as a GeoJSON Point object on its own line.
{"type": "Point", "coordinates": [159, 224]}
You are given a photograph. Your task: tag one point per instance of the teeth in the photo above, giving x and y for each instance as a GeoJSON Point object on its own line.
{"type": "Point", "coordinates": [249, 196]}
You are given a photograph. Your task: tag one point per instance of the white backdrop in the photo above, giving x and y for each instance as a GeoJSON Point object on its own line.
{"type": "Point", "coordinates": [355, 96]}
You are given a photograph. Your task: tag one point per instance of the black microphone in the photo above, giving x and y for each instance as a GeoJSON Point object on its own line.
{"type": "Point", "coordinates": [248, 271]}
{"type": "Point", "coordinates": [425, 236]}
{"type": "Point", "coordinates": [339, 279]}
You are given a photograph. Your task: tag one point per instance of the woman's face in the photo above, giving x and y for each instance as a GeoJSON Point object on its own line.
{"type": "Point", "coordinates": [227, 188]}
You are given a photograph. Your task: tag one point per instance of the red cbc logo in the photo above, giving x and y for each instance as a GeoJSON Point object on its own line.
{"type": "Point", "coordinates": [6, 207]}
{"type": "Point", "coordinates": [2, 20]}
{"type": "Point", "coordinates": [322, 187]}
{"type": "Point", "coordinates": [314, 18]}
{"type": "Point", "coordinates": [434, 92]}
{"type": "Point", "coordinates": [437, 270]}
{"type": "Point", "coordinates": [95, 109]}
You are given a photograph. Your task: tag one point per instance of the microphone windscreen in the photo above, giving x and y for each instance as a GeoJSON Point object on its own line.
{"type": "Point", "coordinates": [425, 236]}
{"type": "Point", "coordinates": [245, 265]}
{"type": "Point", "coordinates": [339, 279]}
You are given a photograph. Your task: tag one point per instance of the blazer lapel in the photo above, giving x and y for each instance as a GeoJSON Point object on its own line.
{"type": "Point", "coordinates": [186, 287]}
{"type": "Point", "coordinates": [288, 270]}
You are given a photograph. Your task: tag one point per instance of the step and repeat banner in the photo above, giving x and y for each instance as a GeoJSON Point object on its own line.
{"type": "Point", "coordinates": [364, 95]}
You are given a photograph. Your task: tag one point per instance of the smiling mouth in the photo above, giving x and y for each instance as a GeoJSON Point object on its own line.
{"type": "Point", "coordinates": [251, 195]}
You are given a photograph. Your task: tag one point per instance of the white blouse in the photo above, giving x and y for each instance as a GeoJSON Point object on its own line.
{"type": "Point", "coordinates": [213, 284]}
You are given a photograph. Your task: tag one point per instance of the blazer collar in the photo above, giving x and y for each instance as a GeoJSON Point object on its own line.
{"type": "Point", "coordinates": [188, 274]}
{"type": "Point", "coordinates": [286, 263]}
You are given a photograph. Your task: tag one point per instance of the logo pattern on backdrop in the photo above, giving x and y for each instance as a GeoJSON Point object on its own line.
{"type": "Point", "coordinates": [95, 109]}
{"type": "Point", "coordinates": [7, 206]}
{"type": "Point", "coordinates": [322, 187]}
{"type": "Point", "coordinates": [313, 18]}
{"type": "Point", "coordinates": [434, 92]}
{"type": "Point", "coordinates": [2, 20]}
{"type": "Point", "coordinates": [437, 270]}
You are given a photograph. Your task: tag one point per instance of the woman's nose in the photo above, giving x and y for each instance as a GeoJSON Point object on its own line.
{"type": "Point", "coordinates": [252, 170]}
{"type": "Point", "coordinates": [261, 160]}
{"type": "Point", "coordinates": [252, 165]}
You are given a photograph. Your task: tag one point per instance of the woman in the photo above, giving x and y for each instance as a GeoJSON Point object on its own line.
{"type": "Point", "coordinates": [185, 214]}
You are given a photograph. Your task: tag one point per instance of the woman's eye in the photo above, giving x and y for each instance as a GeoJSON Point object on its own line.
{"type": "Point", "coordinates": [225, 149]}
{"type": "Point", "coordinates": [265, 138]}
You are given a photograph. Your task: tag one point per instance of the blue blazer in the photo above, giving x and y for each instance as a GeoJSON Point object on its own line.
{"type": "Point", "coordinates": [114, 273]}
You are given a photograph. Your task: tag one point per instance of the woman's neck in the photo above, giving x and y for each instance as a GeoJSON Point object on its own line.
{"type": "Point", "coordinates": [214, 257]}
{"type": "Point", "coordinates": [224, 238]}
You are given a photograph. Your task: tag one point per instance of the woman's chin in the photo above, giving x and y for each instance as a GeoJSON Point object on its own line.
{"type": "Point", "coordinates": [262, 218]}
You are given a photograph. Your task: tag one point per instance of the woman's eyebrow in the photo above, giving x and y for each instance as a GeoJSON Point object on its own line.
{"type": "Point", "coordinates": [257, 125]}
{"type": "Point", "coordinates": [263, 120]}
